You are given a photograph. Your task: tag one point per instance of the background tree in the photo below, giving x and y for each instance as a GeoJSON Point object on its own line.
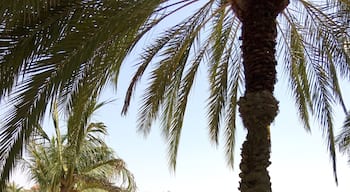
{"type": "Point", "coordinates": [71, 49]}
{"type": "Point", "coordinates": [78, 161]}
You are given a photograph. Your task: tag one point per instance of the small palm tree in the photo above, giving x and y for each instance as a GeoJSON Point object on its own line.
{"type": "Point", "coordinates": [78, 161]}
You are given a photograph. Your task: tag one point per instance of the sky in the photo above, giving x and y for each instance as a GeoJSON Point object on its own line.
{"type": "Point", "coordinates": [300, 161]}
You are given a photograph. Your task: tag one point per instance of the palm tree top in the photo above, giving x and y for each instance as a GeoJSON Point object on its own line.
{"type": "Point", "coordinates": [79, 160]}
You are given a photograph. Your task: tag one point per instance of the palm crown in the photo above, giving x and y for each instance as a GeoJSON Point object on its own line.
{"type": "Point", "coordinates": [73, 48]}
{"type": "Point", "coordinates": [78, 161]}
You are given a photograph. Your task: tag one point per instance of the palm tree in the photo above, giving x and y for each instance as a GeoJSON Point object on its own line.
{"type": "Point", "coordinates": [314, 57]}
{"type": "Point", "coordinates": [78, 161]}
{"type": "Point", "coordinates": [69, 49]}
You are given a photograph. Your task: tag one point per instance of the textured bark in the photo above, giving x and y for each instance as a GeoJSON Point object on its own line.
{"type": "Point", "coordinates": [257, 110]}
{"type": "Point", "coordinates": [258, 107]}
{"type": "Point", "coordinates": [258, 34]}
{"type": "Point", "coordinates": [255, 160]}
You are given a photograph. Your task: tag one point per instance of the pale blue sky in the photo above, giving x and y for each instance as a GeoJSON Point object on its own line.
{"type": "Point", "coordinates": [300, 161]}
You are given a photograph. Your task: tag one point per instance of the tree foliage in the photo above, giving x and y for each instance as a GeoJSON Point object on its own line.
{"type": "Point", "coordinates": [72, 49]}
{"type": "Point", "coordinates": [58, 48]}
{"type": "Point", "coordinates": [312, 56]}
{"type": "Point", "coordinates": [77, 161]}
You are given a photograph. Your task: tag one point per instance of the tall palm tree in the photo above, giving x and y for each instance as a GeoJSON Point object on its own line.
{"type": "Point", "coordinates": [312, 55]}
{"type": "Point", "coordinates": [70, 49]}
{"type": "Point", "coordinates": [78, 161]}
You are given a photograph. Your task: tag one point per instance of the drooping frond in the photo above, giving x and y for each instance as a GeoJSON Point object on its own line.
{"type": "Point", "coordinates": [315, 59]}
{"type": "Point", "coordinates": [174, 53]}
{"type": "Point", "coordinates": [225, 78]}
{"type": "Point", "coordinates": [223, 51]}
{"type": "Point", "coordinates": [296, 68]}
{"type": "Point", "coordinates": [175, 117]}
{"type": "Point", "coordinates": [235, 84]}
{"type": "Point", "coordinates": [179, 51]}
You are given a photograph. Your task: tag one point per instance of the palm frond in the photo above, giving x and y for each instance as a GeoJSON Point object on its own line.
{"type": "Point", "coordinates": [166, 78]}
{"type": "Point", "coordinates": [296, 66]}
{"type": "Point", "coordinates": [166, 93]}
{"type": "Point", "coordinates": [181, 50]}
{"type": "Point", "coordinates": [25, 29]}
{"type": "Point", "coordinates": [218, 79]}
{"type": "Point", "coordinates": [221, 54]}
{"type": "Point", "coordinates": [317, 59]}
{"type": "Point", "coordinates": [100, 162]}
{"type": "Point", "coordinates": [40, 166]}
{"type": "Point", "coordinates": [95, 184]}
{"type": "Point", "coordinates": [174, 127]}
{"type": "Point", "coordinates": [235, 84]}
{"type": "Point", "coordinates": [82, 42]}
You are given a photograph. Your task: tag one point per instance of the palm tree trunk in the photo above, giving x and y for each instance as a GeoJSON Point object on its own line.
{"type": "Point", "coordinates": [255, 160]}
{"type": "Point", "coordinates": [257, 111]}
{"type": "Point", "coordinates": [258, 107]}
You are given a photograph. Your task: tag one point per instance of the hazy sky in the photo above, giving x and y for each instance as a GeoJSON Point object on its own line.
{"type": "Point", "coordinates": [300, 161]}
